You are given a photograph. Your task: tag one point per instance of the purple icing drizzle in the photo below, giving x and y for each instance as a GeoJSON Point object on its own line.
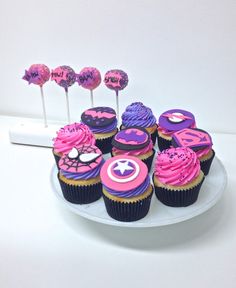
{"type": "Point", "coordinates": [138, 114]}
{"type": "Point", "coordinates": [130, 193]}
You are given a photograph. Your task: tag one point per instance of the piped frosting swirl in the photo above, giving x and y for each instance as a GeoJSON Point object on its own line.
{"type": "Point", "coordinates": [177, 166]}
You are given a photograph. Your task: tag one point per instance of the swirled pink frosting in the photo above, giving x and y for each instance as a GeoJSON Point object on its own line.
{"type": "Point", "coordinates": [72, 135]}
{"type": "Point", "coordinates": [177, 166]}
{"type": "Point", "coordinates": [170, 133]}
{"type": "Point", "coordinates": [139, 152]}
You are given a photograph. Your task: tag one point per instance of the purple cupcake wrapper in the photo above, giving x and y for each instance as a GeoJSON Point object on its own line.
{"type": "Point", "coordinates": [81, 194]}
{"type": "Point", "coordinates": [105, 144]}
{"type": "Point", "coordinates": [206, 164]}
{"type": "Point", "coordinates": [163, 143]}
{"type": "Point", "coordinates": [128, 212]}
{"type": "Point", "coordinates": [177, 198]}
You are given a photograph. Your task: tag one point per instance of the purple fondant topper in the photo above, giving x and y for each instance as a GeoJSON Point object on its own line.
{"type": "Point", "coordinates": [131, 138]}
{"type": "Point", "coordinates": [98, 116]}
{"type": "Point", "coordinates": [176, 119]}
{"type": "Point", "coordinates": [193, 138]}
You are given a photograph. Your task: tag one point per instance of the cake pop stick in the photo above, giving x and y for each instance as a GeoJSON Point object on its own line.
{"type": "Point", "coordinates": [38, 74]}
{"type": "Point", "coordinates": [65, 77]}
{"type": "Point", "coordinates": [89, 78]}
{"type": "Point", "coordinates": [116, 80]}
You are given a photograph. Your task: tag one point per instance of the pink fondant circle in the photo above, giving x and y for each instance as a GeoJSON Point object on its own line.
{"type": "Point", "coordinates": [134, 182]}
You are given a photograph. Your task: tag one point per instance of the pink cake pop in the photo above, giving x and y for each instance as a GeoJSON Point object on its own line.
{"type": "Point", "coordinates": [65, 77]}
{"type": "Point", "coordinates": [38, 74]}
{"type": "Point", "coordinates": [89, 78]}
{"type": "Point", "coordinates": [116, 80]}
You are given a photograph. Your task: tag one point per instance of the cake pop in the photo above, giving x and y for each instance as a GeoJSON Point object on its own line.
{"type": "Point", "coordinates": [65, 77]}
{"type": "Point", "coordinates": [116, 80]}
{"type": "Point", "coordinates": [38, 74]}
{"type": "Point", "coordinates": [89, 78]}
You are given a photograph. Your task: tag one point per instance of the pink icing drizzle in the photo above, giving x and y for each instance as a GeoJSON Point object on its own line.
{"type": "Point", "coordinates": [177, 166]}
{"type": "Point", "coordinates": [72, 135]}
{"type": "Point", "coordinates": [139, 152]}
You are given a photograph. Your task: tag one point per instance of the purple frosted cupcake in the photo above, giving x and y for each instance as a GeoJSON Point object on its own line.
{"type": "Point", "coordinates": [137, 114]}
{"type": "Point", "coordinates": [170, 122]}
{"type": "Point", "coordinates": [102, 122]}
{"type": "Point", "coordinates": [79, 174]}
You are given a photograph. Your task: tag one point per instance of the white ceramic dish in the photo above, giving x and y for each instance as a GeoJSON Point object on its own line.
{"type": "Point", "coordinates": [159, 214]}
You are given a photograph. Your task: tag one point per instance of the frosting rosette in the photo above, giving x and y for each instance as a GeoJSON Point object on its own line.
{"type": "Point", "coordinates": [137, 114]}
{"type": "Point", "coordinates": [72, 135]}
{"type": "Point", "coordinates": [177, 166]}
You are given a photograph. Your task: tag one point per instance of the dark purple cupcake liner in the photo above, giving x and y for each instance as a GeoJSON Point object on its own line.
{"type": "Point", "coordinates": [57, 159]}
{"type": "Point", "coordinates": [127, 212]}
{"type": "Point", "coordinates": [81, 194]}
{"type": "Point", "coordinates": [147, 161]}
{"type": "Point", "coordinates": [177, 198]}
{"type": "Point", "coordinates": [206, 164]}
{"type": "Point", "coordinates": [163, 143]}
{"type": "Point", "coordinates": [105, 144]}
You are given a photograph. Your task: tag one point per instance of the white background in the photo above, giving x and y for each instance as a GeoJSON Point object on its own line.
{"type": "Point", "coordinates": [178, 54]}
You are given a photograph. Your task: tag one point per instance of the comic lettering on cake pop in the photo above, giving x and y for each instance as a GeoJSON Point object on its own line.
{"type": "Point", "coordinates": [191, 137]}
{"type": "Point", "coordinates": [64, 76]}
{"type": "Point", "coordinates": [89, 78]}
{"type": "Point", "coordinates": [176, 119]}
{"type": "Point", "coordinates": [116, 79]}
{"type": "Point", "coordinates": [81, 159]}
{"type": "Point", "coordinates": [37, 74]}
{"type": "Point", "coordinates": [98, 116]}
{"type": "Point", "coordinates": [120, 171]}
{"type": "Point", "coordinates": [131, 138]}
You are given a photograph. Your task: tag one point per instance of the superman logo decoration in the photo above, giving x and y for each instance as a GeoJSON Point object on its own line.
{"type": "Point", "coordinates": [193, 138]}
{"type": "Point", "coordinates": [176, 119]}
{"type": "Point", "coordinates": [131, 138]}
{"type": "Point", "coordinates": [98, 116]}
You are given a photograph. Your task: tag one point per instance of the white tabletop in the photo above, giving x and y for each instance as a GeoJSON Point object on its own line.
{"type": "Point", "coordinates": [42, 244]}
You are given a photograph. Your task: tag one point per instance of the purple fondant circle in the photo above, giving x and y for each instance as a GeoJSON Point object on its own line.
{"type": "Point", "coordinates": [98, 116]}
{"type": "Point", "coordinates": [131, 138]}
{"type": "Point", "coordinates": [167, 124]}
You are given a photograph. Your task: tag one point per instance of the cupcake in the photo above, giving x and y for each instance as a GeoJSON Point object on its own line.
{"type": "Point", "coordinates": [134, 141]}
{"type": "Point", "coordinates": [127, 191]}
{"type": "Point", "coordinates": [102, 122]}
{"type": "Point", "coordinates": [177, 177]}
{"type": "Point", "coordinates": [79, 174]}
{"type": "Point", "coordinates": [136, 114]}
{"type": "Point", "coordinates": [170, 122]}
{"type": "Point", "coordinates": [200, 142]}
{"type": "Point", "coordinates": [72, 135]}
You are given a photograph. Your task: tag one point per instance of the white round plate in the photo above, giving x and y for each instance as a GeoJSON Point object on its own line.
{"type": "Point", "coordinates": [159, 214]}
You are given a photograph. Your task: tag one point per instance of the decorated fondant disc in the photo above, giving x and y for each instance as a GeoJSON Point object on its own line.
{"type": "Point", "coordinates": [122, 173]}
{"type": "Point", "coordinates": [81, 159]}
{"type": "Point", "coordinates": [176, 119]}
{"type": "Point", "coordinates": [98, 116]}
{"type": "Point", "coordinates": [193, 138]}
{"type": "Point", "coordinates": [131, 138]}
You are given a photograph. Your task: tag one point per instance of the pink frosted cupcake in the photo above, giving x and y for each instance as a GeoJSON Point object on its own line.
{"type": "Point", "coordinates": [134, 141]}
{"type": "Point", "coordinates": [177, 177]}
{"type": "Point", "coordinates": [72, 135]}
{"type": "Point", "coordinates": [200, 142]}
